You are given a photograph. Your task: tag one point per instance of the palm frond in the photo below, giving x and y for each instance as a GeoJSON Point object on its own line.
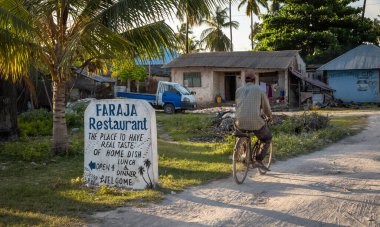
{"type": "Point", "coordinates": [151, 38]}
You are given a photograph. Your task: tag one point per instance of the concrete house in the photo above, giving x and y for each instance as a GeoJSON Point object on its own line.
{"type": "Point", "coordinates": [355, 75]}
{"type": "Point", "coordinates": [280, 73]}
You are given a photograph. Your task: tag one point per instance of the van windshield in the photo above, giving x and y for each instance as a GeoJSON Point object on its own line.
{"type": "Point", "coordinates": [183, 90]}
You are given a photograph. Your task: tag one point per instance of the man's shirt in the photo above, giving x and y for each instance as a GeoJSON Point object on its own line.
{"type": "Point", "coordinates": [249, 101]}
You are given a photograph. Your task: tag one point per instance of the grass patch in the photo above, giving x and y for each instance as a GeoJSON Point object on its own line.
{"type": "Point", "coordinates": [183, 126]}
{"type": "Point", "coordinates": [290, 145]}
{"type": "Point", "coordinates": [49, 191]}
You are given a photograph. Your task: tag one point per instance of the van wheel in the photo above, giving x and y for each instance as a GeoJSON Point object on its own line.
{"type": "Point", "coordinates": [169, 108]}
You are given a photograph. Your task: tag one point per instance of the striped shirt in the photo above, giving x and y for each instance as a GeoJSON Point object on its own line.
{"type": "Point", "coordinates": [249, 102]}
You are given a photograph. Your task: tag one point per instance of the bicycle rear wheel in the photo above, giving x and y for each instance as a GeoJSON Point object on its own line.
{"type": "Point", "coordinates": [267, 161]}
{"type": "Point", "coordinates": [240, 160]}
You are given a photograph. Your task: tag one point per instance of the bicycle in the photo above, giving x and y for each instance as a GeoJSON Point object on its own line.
{"type": "Point", "coordinates": [243, 157]}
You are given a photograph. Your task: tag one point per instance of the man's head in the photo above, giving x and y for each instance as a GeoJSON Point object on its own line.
{"type": "Point", "coordinates": [250, 77]}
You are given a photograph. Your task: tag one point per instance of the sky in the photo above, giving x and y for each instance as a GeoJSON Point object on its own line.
{"type": "Point", "coordinates": [240, 38]}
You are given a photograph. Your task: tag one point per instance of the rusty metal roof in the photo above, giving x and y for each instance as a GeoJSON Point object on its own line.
{"type": "Point", "coordinates": [238, 59]}
{"type": "Point", "coordinates": [361, 57]}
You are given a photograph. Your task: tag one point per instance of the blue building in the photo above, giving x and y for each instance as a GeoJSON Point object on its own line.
{"type": "Point", "coordinates": [355, 75]}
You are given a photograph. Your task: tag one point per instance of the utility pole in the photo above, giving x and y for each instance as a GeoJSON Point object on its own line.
{"type": "Point", "coordinates": [364, 4]}
{"type": "Point", "coordinates": [232, 45]}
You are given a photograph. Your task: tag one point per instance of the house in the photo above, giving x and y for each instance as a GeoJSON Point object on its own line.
{"type": "Point", "coordinates": [355, 75]}
{"type": "Point", "coordinates": [280, 73]}
{"type": "Point", "coordinates": [88, 85]}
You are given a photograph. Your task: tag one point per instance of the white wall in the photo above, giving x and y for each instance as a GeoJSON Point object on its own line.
{"type": "Point", "coordinates": [204, 94]}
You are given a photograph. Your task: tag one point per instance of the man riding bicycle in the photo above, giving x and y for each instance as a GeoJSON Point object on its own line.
{"type": "Point", "coordinates": [250, 101]}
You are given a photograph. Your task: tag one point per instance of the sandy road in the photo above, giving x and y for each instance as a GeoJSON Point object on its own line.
{"type": "Point", "coordinates": [337, 186]}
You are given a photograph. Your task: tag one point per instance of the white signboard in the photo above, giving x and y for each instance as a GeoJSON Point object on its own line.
{"type": "Point", "coordinates": [120, 144]}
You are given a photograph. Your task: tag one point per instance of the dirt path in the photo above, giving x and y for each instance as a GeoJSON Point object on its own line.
{"type": "Point", "coordinates": [339, 185]}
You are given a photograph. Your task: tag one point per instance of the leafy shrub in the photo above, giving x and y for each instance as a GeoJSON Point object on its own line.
{"type": "Point", "coordinates": [37, 122]}
{"type": "Point", "coordinates": [76, 147]}
{"type": "Point", "coordinates": [26, 150]}
{"type": "Point", "coordinates": [74, 120]}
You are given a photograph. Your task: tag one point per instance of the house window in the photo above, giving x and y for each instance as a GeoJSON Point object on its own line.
{"type": "Point", "coordinates": [192, 79]}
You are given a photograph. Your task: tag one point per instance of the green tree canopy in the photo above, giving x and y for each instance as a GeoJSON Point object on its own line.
{"type": "Point", "coordinates": [53, 35]}
{"type": "Point", "coordinates": [321, 29]}
{"type": "Point", "coordinates": [213, 37]}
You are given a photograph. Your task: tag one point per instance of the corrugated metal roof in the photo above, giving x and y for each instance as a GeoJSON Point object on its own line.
{"type": "Point", "coordinates": [157, 70]}
{"type": "Point", "coordinates": [97, 78]}
{"type": "Point", "coordinates": [361, 57]}
{"type": "Point", "coordinates": [238, 59]}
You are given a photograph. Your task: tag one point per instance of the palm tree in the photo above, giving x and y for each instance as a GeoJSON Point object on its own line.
{"type": "Point", "coordinates": [257, 27]}
{"type": "Point", "coordinates": [213, 36]}
{"type": "Point", "coordinates": [52, 35]}
{"type": "Point", "coordinates": [192, 43]}
{"type": "Point", "coordinates": [191, 12]}
{"type": "Point", "coordinates": [141, 170]}
{"type": "Point", "coordinates": [253, 8]}
{"type": "Point", "coordinates": [147, 164]}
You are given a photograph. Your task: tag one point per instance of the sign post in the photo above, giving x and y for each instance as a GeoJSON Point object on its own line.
{"type": "Point", "coordinates": [120, 144]}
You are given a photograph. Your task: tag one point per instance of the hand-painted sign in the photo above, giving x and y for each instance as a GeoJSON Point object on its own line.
{"type": "Point", "coordinates": [120, 144]}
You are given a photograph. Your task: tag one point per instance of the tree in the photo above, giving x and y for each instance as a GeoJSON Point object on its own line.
{"type": "Point", "coordinates": [52, 35]}
{"type": "Point", "coordinates": [127, 71]}
{"type": "Point", "coordinates": [376, 29]}
{"type": "Point", "coordinates": [256, 29]}
{"type": "Point", "coordinates": [147, 164]}
{"type": "Point", "coordinates": [191, 12]}
{"type": "Point", "coordinates": [322, 29]}
{"type": "Point", "coordinates": [213, 37]}
{"type": "Point", "coordinates": [253, 8]}
{"type": "Point", "coordinates": [141, 171]}
{"type": "Point", "coordinates": [193, 44]}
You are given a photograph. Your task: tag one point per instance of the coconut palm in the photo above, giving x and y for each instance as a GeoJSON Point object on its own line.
{"type": "Point", "coordinates": [213, 37]}
{"type": "Point", "coordinates": [253, 8]}
{"type": "Point", "coordinates": [191, 12]}
{"type": "Point", "coordinates": [192, 43]}
{"type": "Point", "coordinates": [141, 170]}
{"type": "Point", "coordinates": [52, 35]}
{"type": "Point", "coordinates": [147, 164]}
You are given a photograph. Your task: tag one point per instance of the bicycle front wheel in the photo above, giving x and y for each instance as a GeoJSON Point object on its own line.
{"type": "Point", "coordinates": [267, 161]}
{"type": "Point", "coordinates": [240, 160]}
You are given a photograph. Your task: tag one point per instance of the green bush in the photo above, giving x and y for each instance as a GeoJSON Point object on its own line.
{"type": "Point", "coordinates": [26, 150]}
{"type": "Point", "coordinates": [76, 147]}
{"type": "Point", "coordinates": [37, 122]}
{"type": "Point", "coordinates": [74, 120]}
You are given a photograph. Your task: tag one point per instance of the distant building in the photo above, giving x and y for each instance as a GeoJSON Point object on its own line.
{"type": "Point", "coordinates": [355, 75]}
{"type": "Point", "coordinates": [282, 74]}
{"type": "Point", "coordinates": [86, 85]}
{"type": "Point", "coordinates": [154, 67]}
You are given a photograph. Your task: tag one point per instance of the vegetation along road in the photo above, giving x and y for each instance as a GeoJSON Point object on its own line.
{"type": "Point", "coordinates": [338, 185]}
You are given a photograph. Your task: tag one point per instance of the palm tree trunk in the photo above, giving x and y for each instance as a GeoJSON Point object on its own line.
{"type": "Point", "coordinates": [60, 138]}
{"type": "Point", "coordinates": [364, 4]}
{"type": "Point", "coordinates": [251, 30]}
{"type": "Point", "coordinates": [232, 47]}
{"type": "Point", "coordinates": [187, 34]}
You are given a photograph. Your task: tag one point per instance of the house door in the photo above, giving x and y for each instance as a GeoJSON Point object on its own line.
{"type": "Point", "coordinates": [230, 87]}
